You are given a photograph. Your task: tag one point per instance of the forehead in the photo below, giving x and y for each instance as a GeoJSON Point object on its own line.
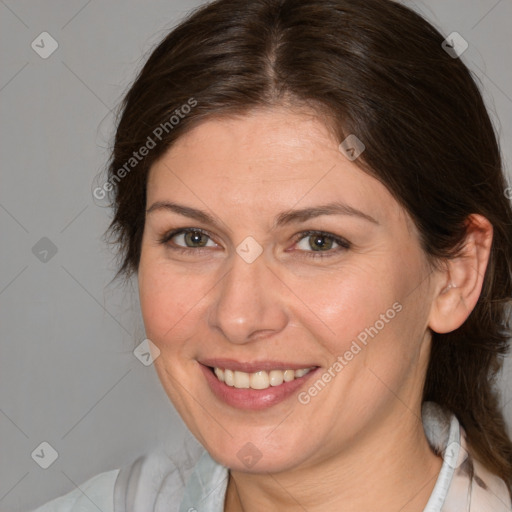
{"type": "Point", "coordinates": [262, 139]}
{"type": "Point", "coordinates": [263, 160]}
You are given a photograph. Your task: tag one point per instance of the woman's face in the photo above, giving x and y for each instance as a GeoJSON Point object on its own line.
{"type": "Point", "coordinates": [250, 291]}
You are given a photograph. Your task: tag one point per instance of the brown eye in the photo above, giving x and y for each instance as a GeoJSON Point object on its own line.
{"type": "Point", "coordinates": [316, 243]}
{"type": "Point", "coordinates": [320, 242]}
{"type": "Point", "coordinates": [191, 238]}
{"type": "Point", "coordinates": [187, 238]}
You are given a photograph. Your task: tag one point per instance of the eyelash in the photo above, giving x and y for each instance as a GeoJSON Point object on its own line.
{"type": "Point", "coordinates": [343, 244]}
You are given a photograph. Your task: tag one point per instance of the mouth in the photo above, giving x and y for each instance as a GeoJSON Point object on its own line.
{"type": "Point", "coordinates": [255, 386]}
{"type": "Point", "coordinates": [260, 379]}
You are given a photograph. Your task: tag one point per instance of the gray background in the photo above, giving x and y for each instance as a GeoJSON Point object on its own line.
{"type": "Point", "coordinates": [68, 374]}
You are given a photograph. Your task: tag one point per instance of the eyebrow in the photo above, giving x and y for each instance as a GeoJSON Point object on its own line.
{"type": "Point", "coordinates": [284, 218]}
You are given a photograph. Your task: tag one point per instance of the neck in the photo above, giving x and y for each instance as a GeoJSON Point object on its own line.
{"type": "Point", "coordinates": [392, 467]}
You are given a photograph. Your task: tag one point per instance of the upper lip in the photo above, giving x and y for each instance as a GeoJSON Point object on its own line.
{"type": "Point", "coordinates": [253, 366]}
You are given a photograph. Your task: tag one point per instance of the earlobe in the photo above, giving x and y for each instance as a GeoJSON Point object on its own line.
{"type": "Point", "coordinates": [460, 284]}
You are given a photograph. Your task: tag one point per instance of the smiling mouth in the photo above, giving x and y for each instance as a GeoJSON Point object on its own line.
{"type": "Point", "coordinates": [260, 379]}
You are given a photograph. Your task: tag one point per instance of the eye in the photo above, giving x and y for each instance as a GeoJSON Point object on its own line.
{"type": "Point", "coordinates": [187, 239]}
{"type": "Point", "coordinates": [316, 243]}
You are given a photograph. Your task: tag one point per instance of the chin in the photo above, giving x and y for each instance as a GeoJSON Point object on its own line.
{"type": "Point", "coordinates": [258, 455]}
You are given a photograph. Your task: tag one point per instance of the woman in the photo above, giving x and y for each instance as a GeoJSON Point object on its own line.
{"type": "Point", "coordinates": [311, 196]}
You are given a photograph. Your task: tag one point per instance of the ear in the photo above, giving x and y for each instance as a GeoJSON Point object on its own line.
{"type": "Point", "coordinates": [458, 287]}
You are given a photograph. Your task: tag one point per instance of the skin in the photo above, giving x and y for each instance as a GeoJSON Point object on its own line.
{"type": "Point", "coordinates": [360, 442]}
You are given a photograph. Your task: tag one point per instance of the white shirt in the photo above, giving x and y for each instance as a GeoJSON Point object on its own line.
{"type": "Point", "coordinates": [193, 482]}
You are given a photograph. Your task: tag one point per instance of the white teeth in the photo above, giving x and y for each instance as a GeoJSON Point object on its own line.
{"type": "Point", "coordinates": [229, 378]}
{"type": "Point", "coordinates": [258, 380]}
{"type": "Point", "coordinates": [242, 380]}
{"type": "Point", "coordinates": [288, 375]}
{"type": "Point", "coordinates": [276, 377]}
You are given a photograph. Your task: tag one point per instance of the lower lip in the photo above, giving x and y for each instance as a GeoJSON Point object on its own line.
{"type": "Point", "coordinates": [253, 399]}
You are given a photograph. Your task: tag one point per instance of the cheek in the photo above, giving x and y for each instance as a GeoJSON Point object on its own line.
{"type": "Point", "coordinates": [169, 301]}
{"type": "Point", "coordinates": [390, 335]}
{"type": "Point", "coordinates": [349, 301]}
{"type": "Point", "coordinates": [373, 319]}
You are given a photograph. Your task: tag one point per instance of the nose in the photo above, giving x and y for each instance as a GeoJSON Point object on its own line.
{"type": "Point", "coordinates": [247, 302]}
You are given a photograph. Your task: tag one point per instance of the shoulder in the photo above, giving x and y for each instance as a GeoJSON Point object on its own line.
{"type": "Point", "coordinates": [463, 482]}
{"type": "Point", "coordinates": [156, 481]}
{"type": "Point", "coordinates": [488, 491]}
{"type": "Point", "coordinates": [95, 494]}
{"type": "Point", "coordinates": [153, 482]}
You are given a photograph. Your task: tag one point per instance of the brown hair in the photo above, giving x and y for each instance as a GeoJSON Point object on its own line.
{"type": "Point", "coordinates": [376, 69]}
